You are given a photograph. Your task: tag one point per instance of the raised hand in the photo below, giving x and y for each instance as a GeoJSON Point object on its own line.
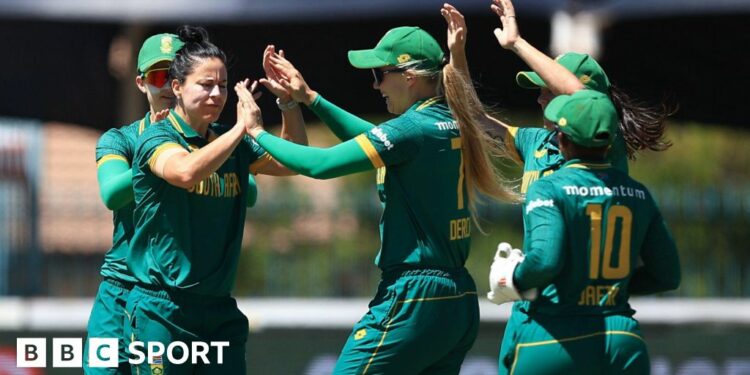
{"type": "Point", "coordinates": [248, 112]}
{"type": "Point", "coordinates": [291, 79]}
{"type": "Point", "coordinates": [508, 35]}
{"type": "Point", "coordinates": [456, 28]}
{"type": "Point", "coordinates": [456, 37]}
{"type": "Point", "coordinates": [158, 116]}
{"type": "Point", "coordinates": [271, 82]}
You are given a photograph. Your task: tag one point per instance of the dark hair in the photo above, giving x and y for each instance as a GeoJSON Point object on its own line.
{"type": "Point", "coordinates": [197, 47]}
{"type": "Point", "coordinates": [578, 151]}
{"type": "Point", "coordinates": [642, 125]}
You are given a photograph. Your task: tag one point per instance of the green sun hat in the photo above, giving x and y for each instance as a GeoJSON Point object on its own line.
{"type": "Point", "coordinates": [400, 45]}
{"type": "Point", "coordinates": [588, 71]}
{"type": "Point", "coordinates": [588, 117]}
{"type": "Point", "coordinates": [159, 47]}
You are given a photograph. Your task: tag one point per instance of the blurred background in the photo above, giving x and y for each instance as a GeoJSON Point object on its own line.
{"type": "Point", "coordinates": [68, 75]}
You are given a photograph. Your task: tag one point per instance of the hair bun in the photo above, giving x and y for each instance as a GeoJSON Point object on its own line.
{"type": "Point", "coordinates": [192, 34]}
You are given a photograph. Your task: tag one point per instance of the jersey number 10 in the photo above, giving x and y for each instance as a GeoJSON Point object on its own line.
{"type": "Point", "coordinates": [604, 266]}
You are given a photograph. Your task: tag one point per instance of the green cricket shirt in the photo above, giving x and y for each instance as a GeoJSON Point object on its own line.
{"type": "Point", "coordinates": [537, 150]}
{"type": "Point", "coordinates": [119, 144]}
{"type": "Point", "coordinates": [189, 239]}
{"type": "Point", "coordinates": [420, 181]}
{"type": "Point", "coordinates": [594, 236]}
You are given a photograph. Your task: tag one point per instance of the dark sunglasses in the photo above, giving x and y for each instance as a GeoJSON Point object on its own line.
{"type": "Point", "coordinates": [157, 77]}
{"type": "Point", "coordinates": [380, 74]}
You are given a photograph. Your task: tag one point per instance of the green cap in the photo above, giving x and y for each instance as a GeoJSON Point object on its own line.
{"type": "Point", "coordinates": [159, 47]}
{"type": "Point", "coordinates": [588, 118]}
{"type": "Point", "coordinates": [588, 71]}
{"type": "Point", "coordinates": [398, 46]}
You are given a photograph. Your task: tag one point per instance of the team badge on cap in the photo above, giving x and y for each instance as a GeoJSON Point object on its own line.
{"type": "Point", "coordinates": [166, 44]}
{"type": "Point", "coordinates": [403, 58]}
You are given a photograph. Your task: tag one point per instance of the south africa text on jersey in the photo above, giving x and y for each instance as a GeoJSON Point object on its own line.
{"type": "Point", "coordinates": [226, 186]}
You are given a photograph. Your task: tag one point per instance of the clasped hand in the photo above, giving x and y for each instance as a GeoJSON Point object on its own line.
{"type": "Point", "coordinates": [248, 112]}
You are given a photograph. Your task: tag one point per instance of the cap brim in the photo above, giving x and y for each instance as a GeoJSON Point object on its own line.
{"type": "Point", "coordinates": [147, 64]}
{"type": "Point", "coordinates": [366, 59]}
{"type": "Point", "coordinates": [552, 111]}
{"type": "Point", "coordinates": [529, 80]}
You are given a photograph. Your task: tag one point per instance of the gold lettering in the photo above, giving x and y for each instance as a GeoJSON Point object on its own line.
{"type": "Point", "coordinates": [460, 229]}
{"type": "Point", "coordinates": [594, 295]}
{"type": "Point", "coordinates": [590, 296]}
{"type": "Point", "coordinates": [226, 186]}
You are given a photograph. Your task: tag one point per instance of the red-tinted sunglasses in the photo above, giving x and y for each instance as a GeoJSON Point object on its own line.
{"type": "Point", "coordinates": [157, 77]}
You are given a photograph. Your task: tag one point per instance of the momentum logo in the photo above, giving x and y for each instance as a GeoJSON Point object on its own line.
{"type": "Point", "coordinates": [103, 352]}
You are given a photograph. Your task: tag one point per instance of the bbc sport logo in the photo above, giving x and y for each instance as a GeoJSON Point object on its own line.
{"type": "Point", "coordinates": [103, 352]}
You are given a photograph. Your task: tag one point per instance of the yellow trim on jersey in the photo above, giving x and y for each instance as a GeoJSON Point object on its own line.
{"type": "Point", "coordinates": [510, 144]}
{"type": "Point", "coordinates": [175, 123]}
{"type": "Point", "coordinates": [455, 143]}
{"type": "Point", "coordinates": [374, 353]}
{"type": "Point", "coordinates": [109, 157]}
{"type": "Point", "coordinates": [387, 326]}
{"type": "Point", "coordinates": [429, 102]}
{"type": "Point", "coordinates": [430, 299]}
{"type": "Point", "coordinates": [589, 165]}
{"type": "Point", "coordinates": [369, 150]}
{"type": "Point", "coordinates": [558, 341]}
{"type": "Point", "coordinates": [262, 161]}
{"type": "Point", "coordinates": [159, 150]}
{"type": "Point", "coordinates": [142, 126]}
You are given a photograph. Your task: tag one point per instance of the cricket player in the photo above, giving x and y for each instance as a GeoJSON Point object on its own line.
{"type": "Point", "coordinates": [114, 155]}
{"type": "Point", "coordinates": [190, 177]}
{"type": "Point", "coordinates": [424, 316]}
{"type": "Point", "coordinates": [593, 237]}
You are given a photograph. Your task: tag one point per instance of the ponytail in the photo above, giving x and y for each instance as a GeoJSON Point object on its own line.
{"type": "Point", "coordinates": [642, 126]}
{"type": "Point", "coordinates": [477, 148]}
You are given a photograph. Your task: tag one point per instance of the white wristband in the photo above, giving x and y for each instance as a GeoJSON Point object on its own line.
{"type": "Point", "coordinates": [285, 107]}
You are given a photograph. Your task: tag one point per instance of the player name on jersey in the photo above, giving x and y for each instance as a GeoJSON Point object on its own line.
{"type": "Point", "coordinates": [599, 295]}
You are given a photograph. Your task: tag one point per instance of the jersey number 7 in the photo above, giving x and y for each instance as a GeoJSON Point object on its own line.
{"type": "Point", "coordinates": [603, 267]}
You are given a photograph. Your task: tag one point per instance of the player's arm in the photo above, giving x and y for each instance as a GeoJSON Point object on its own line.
{"type": "Point", "coordinates": [252, 191]}
{"type": "Point", "coordinates": [115, 179]}
{"type": "Point", "coordinates": [343, 124]}
{"type": "Point", "coordinates": [322, 163]}
{"type": "Point", "coordinates": [113, 172]}
{"type": "Point", "coordinates": [171, 162]}
{"type": "Point", "coordinates": [558, 79]}
{"type": "Point", "coordinates": [660, 271]}
{"type": "Point", "coordinates": [457, 33]}
{"type": "Point", "coordinates": [545, 255]}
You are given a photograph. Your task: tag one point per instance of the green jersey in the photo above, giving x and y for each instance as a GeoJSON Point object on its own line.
{"type": "Point", "coordinates": [189, 239]}
{"type": "Point", "coordinates": [119, 144]}
{"type": "Point", "coordinates": [536, 149]}
{"type": "Point", "coordinates": [593, 237]}
{"type": "Point", "coordinates": [425, 221]}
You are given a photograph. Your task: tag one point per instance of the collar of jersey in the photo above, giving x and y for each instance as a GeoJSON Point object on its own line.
{"type": "Point", "coordinates": [180, 125]}
{"type": "Point", "coordinates": [424, 103]}
{"type": "Point", "coordinates": [586, 164]}
{"type": "Point", "coordinates": [145, 121]}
